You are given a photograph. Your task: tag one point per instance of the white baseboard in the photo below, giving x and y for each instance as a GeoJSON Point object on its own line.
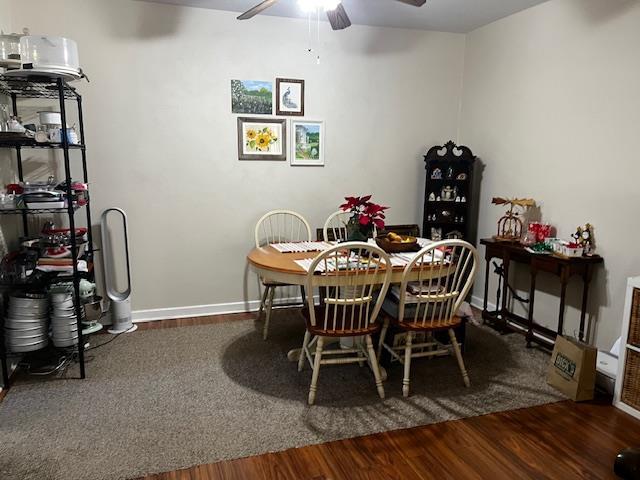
{"type": "Point", "coordinates": [227, 308]}
{"type": "Point", "coordinates": [204, 310]}
{"type": "Point", "coordinates": [478, 303]}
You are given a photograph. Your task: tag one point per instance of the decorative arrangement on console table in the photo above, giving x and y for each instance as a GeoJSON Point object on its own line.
{"type": "Point", "coordinates": [538, 238]}
{"type": "Point", "coordinates": [54, 266]}
{"type": "Point", "coordinates": [510, 224]}
{"type": "Point", "coordinates": [367, 216]}
{"type": "Point", "coordinates": [449, 193]}
{"type": "Point", "coordinates": [540, 251]}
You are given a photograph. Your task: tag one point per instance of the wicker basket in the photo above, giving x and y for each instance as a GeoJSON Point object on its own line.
{"type": "Point", "coordinates": [634, 321]}
{"type": "Point", "coordinates": [631, 384]}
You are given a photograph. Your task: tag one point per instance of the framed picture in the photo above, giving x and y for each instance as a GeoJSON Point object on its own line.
{"type": "Point", "coordinates": [262, 139]}
{"type": "Point", "coordinates": [307, 143]}
{"type": "Point", "coordinates": [251, 96]}
{"type": "Point", "coordinates": [289, 97]}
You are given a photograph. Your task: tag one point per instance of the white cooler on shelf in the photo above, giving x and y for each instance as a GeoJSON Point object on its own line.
{"type": "Point", "coordinates": [606, 371]}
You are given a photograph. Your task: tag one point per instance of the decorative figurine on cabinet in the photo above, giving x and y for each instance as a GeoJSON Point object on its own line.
{"type": "Point", "coordinates": [448, 193]}
{"type": "Point", "coordinates": [450, 172]}
{"type": "Point", "coordinates": [510, 224]}
{"type": "Point", "coordinates": [584, 238]}
{"type": "Point", "coordinates": [436, 174]}
{"type": "Point", "coordinates": [436, 234]}
{"type": "Point", "coordinates": [432, 197]}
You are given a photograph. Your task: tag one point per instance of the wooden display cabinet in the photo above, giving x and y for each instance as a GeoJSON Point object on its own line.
{"type": "Point", "coordinates": [448, 193]}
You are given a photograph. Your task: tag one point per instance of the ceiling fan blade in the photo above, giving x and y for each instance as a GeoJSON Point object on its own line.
{"type": "Point", "coordinates": [415, 3]}
{"type": "Point", "coordinates": [338, 18]}
{"type": "Point", "coordinates": [256, 10]}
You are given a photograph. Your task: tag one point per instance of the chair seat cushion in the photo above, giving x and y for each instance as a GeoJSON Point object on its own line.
{"type": "Point", "coordinates": [390, 307]}
{"type": "Point", "coordinates": [335, 325]}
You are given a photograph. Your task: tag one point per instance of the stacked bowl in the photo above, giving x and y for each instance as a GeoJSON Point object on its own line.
{"type": "Point", "coordinates": [26, 323]}
{"type": "Point", "coordinates": [64, 322]}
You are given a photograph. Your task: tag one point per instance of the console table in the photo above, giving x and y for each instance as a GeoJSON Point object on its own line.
{"type": "Point", "coordinates": [564, 268]}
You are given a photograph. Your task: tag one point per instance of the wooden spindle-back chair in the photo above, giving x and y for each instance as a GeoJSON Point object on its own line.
{"type": "Point", "coordinates": [446, 271]}
{"type": "Point", "coordinates": [349, 309]}
{"type": "Point", "coordinates": [278, 226]}
{"type": "Point", "coordinates": [335, 227]}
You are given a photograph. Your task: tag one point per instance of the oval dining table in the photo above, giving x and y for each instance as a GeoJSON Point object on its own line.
{"type": "Point", "coordinates": [269, 263]}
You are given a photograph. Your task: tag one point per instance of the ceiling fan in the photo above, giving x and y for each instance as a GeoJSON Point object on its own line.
{"type": "Point", "coordinates": [336, 13]}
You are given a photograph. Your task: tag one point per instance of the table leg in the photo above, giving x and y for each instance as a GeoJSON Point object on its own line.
{"type": "Point", "coordinates": [585, 295]}
{"type": "Point", "coordinates": [506, 260]}
{"type": "Point", "coordinates": [564, 280]}
{"type": "Point", "coordinates": [486, 285]}
{"type": "Point", "coordinates": [303, 295]}
{"type": "Point", "coordinates": [532, 294]}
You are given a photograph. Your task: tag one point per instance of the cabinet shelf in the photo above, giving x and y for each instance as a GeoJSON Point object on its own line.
{"type": "Point", "coordinates": [48, 279]}
{"type": "Point", "coordinates": [444, 180]}
{"type": "Point", "coordinates": [447, 203]}
{"type": "Point", "coordinates": [442, 223]}
{"type": "Point", "coordinates": [36, 211]}
{"type": "Point", "coordinates": [36, 87]}
{"type": "Point", "coordinates": [33, 144]}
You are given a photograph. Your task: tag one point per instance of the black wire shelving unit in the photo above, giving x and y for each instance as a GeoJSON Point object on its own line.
{"type": "Point", "coordinates": [58, 90]}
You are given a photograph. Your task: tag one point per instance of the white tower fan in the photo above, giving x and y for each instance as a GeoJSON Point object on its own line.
{"type": "Point", "coordinates": [120, 302]}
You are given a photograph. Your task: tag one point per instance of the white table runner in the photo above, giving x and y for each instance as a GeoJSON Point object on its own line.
{"type": "Point", "coordinates": [301, 247]}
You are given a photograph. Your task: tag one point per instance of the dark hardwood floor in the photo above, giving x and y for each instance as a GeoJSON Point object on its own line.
{"type": "Point", "coordinates": [192, 321]}
{"type": "Point", "coordinates": [561, 441]}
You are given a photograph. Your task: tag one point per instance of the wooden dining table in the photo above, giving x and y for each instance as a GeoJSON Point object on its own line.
{"type": "Point", "coordinates": [269, 263]}
{"type": "Point", "coordinates": [280, 267]}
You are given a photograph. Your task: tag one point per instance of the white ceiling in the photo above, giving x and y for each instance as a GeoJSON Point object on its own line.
{"type": "Point", "coordinates": [459, 16]}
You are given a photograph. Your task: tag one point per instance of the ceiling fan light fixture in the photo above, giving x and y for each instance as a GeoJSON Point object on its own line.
{"type": "Point", "coordinates": [314, 5]}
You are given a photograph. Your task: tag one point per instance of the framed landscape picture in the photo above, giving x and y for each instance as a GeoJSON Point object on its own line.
{"type": "Point", "coordinates": [289, 97]}
{"type": "Point", "coordinates": [262, 139]}
{"type": "Point", "coordinates": [307, 144]}
{"type": "Point", "coordinates": [251, 96]}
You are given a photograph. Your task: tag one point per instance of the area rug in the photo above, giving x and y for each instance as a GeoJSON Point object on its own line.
{"type": "Point", "coordinates": [160, 400]}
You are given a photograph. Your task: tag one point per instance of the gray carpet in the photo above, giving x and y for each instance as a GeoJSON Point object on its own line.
{"type": "Point", "coordinates": [160, 400]}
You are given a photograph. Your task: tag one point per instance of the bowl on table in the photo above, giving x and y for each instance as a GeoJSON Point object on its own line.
{"type": "Point", "coordinates": [394, 243]}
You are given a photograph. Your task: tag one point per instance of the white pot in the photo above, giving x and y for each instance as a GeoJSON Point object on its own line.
{"type": "Point", "coordinates": [50, 118]}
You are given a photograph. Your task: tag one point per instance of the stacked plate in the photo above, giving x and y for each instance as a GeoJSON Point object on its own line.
{"type": "Point", "coordinates": [64, 322]}
{"type": "Point", "coordinates": [26, 323]}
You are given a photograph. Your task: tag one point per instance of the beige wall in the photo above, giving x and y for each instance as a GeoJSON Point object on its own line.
{"type": "Point", "coordinates": [162, 139]}
{"type": "Point", "coordinates": [5, 16]}
{"type": "Point", "coordinates": [551, 105]}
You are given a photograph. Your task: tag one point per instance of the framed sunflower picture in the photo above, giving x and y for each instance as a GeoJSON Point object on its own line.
{"type": "Point", "coordinates": [262, 139]}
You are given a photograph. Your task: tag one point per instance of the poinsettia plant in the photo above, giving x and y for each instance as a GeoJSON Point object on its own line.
{"type": "Point", "coordinates": [365, 212]}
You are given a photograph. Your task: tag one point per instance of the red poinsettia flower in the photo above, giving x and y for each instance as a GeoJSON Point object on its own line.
{"type": "Point", "coordinates": [351, 202]}
{"type": "Point", "coordinates": [365, 212]}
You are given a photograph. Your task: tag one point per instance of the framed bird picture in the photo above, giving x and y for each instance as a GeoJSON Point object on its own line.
{"type": "Point", "coordinates": [289, 97]}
